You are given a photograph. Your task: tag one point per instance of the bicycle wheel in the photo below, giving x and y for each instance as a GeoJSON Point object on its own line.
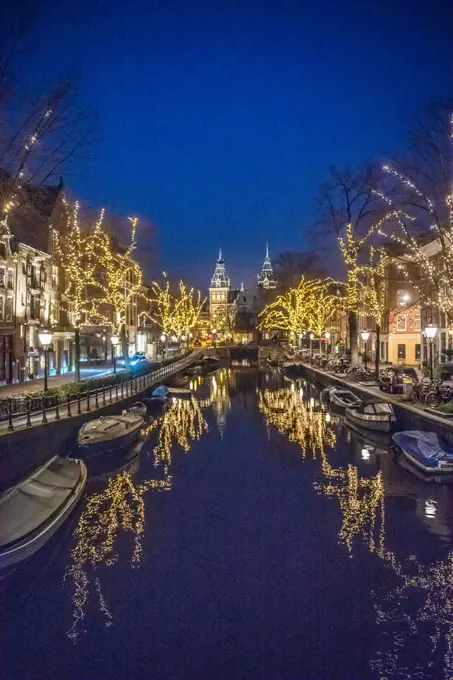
{"type": "Point", "coordinates": [432, 399]}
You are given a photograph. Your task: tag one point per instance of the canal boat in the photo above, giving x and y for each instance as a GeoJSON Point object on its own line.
{"type": "Point", "coordinates": [32, 511]}
{"type": "Point", "coordinates": [109, 433]}
{"type": "Point", "coordinates": [160, 395]}
{"type": "Point", "coordinates": [178, 380]}
{"type": "Point", "coordinates": [180, 391]}
{"type": "Point", "coordinates": [139, 409]}
{"type": "Point", "coordinates": [343, 398]}
{"type": "Point", "coordinates": [427, 452]}
{"type": "Point", "coordinates": [194, 370]}
{"type": "Point", "coordinates": [372, 416]}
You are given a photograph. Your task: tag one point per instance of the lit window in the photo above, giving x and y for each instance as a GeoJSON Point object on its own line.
{"type": "Point", "coordinates": [417, 322]}
{"type": "Point", "coordinates": [401, 322]}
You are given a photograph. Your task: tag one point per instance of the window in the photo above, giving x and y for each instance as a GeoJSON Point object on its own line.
{"type": "Point", "coordinates": [418, 351]}
{"type": "Point", "coordinates": [417, 322]}
{"type": "Point", "coordinates": [401, 351]}
{"type": "Point", "coordinates": [401, 322]}
{"type": "Point", "coordinates": [2, 277]}
{"type": "Point", "coordinates": [2, 308]}
{"type": "Point", "coordinates": [9, 309]}
{"type": "Point", "coordinates": [10, 278]}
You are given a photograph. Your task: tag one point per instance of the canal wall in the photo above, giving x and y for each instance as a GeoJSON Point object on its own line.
{"type": "Point", "coordinates": [412, 417]}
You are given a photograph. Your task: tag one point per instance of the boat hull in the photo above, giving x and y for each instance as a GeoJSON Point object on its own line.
{"type": "Point", "coordinates": [381, 424]}
{"type": "Point", "coordinates": [99, 448]}
{"type": "Point", "coordinates": [24, 548]}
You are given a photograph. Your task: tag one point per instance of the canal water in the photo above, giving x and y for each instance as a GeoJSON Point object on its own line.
{"type": "Point", "coordinates": [254, 536]}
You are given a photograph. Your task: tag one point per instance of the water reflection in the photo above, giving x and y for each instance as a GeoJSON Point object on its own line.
{"type": "Point", "coordinates": [118, 509]}
{"type": "Point", "coordinates": [415, 614]}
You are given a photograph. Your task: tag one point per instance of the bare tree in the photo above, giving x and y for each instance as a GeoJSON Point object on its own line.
{"type": "Point", "coordinates": [349, 210]}
{"type": "Point", "coordinates": [290, 266]}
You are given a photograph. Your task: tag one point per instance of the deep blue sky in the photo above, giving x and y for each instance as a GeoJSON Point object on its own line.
{"type": "Point", "coordinates": [218, 120]}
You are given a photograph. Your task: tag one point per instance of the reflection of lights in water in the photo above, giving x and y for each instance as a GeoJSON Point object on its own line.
{"type": "Point", "coordinates": [309, 428]}
{"type": "Point", "coordinates": [292, 387]}
{"type": "Point", "coordinates": [365, 454]}
{"type": "Point", "coordinates": [117, 510]}
{"type": "Point", "coordinates": [430, 508]}
{"type": "Point", "coordinates": [301, 393]}
{"type": "Point", "coordinates": [312, 402]}
{"type": "Point", "coordinates": [182, 423]}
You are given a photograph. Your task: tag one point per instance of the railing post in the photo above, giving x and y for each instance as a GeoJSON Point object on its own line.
{"type": "Point", "coordinates": [110, 391]}
{"type": "Point", "coordinates": [44, 415]}
{"type": "Point", "coordinates": [116, 391]}
{"type": "Point", "coordinates": [10, 415]}
{"type": "Point", "coordinates": [79, 410]}
{"type": "Point", "coordinates": [96, 398]}
{"type": "Point", "coordinates": [122, 390]}
{"type": "Point", "coordinates": [88, 401]}
{"type": "Point", "coordinates": [103, 396]}
{"type": "Point", "coordinates": [68, 403]}
{"type": "Point", "coordinates": [135, 385]}
{"type": "Point", "coordinates": [57, 409]}
{"type": "Point", "coordinates": [28, 423]}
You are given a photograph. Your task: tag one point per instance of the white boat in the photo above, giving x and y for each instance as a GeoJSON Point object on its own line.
{"type": "Point", "coordinates": [372, 416]}
{"type": "Point", "coordinates": [32, 511]}
{"type": "Point", "coordinates": [109, 433]}
{"type": "Point", "coordinates": [139, 409]}
{"type": "Point", "coordinates": [344, 398]}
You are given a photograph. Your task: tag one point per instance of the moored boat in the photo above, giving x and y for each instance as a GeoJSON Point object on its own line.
{"type": "Point", "coordinates": [139, 409]}
{"type": "Point", "coordinates": [426, 451]}
{"type": "Point", "coordinates": [32, 511]}
{"type": "Point", "coordinates": [372, 416]}
{"type": "Point", "coordinates": [160, 395]}
{"type": "Point", "coordinates": [109, 433]}
{"type": "Point", "coordinates": [343, 398]}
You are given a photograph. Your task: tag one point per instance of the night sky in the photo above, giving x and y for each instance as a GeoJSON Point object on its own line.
{"type": "Point", "coordinates": [218, 120]}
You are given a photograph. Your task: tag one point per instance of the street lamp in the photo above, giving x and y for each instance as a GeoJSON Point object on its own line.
{"type": "Point", "coordinates": [365, 335]}
{"type": "Point", "coordinates": [114, 339]}
{"type": "Point", "coordinates": [430, 332]}
{"type": "Point", "coordinates": [45, 338]}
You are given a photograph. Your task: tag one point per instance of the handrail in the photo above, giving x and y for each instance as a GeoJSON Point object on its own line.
{"type": "Point", "coordinates": [89, 401]}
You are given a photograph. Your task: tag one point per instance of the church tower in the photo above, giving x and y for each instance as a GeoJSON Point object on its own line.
{"type": "Point", "coordinates": [218, 292]}
{"type": "Point", "coordinates": [266, 278]}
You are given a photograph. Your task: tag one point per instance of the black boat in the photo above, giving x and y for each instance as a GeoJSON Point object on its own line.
{"type": "Point", "coordinates": [344, 398]}
{"type": "Point", "coordinates": [376, 415]}
{"type": "Point", "coordinates": [109, 433]}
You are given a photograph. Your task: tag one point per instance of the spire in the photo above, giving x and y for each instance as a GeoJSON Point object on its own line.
{"type": "Point", "coordinates": [266, 277]}
{"type": "Point", "coordinates": [220, 277]}
{"type": "Point", "coordinates": [242, 287]}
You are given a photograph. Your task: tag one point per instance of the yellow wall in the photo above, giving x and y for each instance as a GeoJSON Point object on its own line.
{"type": "Point", "coordinates": [408, 339]}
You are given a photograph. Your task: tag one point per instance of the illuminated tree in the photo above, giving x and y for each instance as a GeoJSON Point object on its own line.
{"type": "Point", "coordinates": [119, 282]}
{"type": "Point", "coordinates": [176, 314]}
{"type": "Point", "coordinates": [76, 253]}
{"type": "Point", "coordinates": [375, 293]}
{"type": "Point", "coordinates": [421, 190]}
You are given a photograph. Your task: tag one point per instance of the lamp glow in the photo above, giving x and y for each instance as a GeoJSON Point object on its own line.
{"type": "Point", "coordinates": [431, 331]}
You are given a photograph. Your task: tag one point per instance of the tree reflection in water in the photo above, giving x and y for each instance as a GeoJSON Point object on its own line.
{"type": "Point", "coordinates": [416, 615]}
{"type": "Point", "coordinates": [120, 510]}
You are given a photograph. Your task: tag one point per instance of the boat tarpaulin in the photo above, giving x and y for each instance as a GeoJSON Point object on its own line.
{"type": "Point", "coordinates": [427, 447]}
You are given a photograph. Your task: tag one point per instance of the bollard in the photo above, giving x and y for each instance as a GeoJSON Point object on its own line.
{"type": "Point", "coordinates": [103, 396]}
{"type": "Point", "coordinates": [69, 406]}
{"type": "Point", "coordinates": [44, 415]}
{"type": "Point", "coordinates": [57, 409]}
{"type": "Point", "coordinates": [96, 398]}
{"type": "Point", "coordinates": [28, 423]}
{"type": "Point", "coordinates": [10, 415]}
{"type": "Point", "coordinates": [88, 400]}
{"type": "Point", "coordinates": [79, 410]}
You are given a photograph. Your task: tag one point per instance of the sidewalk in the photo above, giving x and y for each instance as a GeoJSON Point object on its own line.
{"type": "Point", "coordinates": [37, 385]}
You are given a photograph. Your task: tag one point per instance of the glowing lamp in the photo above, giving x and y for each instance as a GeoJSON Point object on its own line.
{"type": "Point", "coordinates": [114, 339]}
{"type": "Point", "coordinates": [365, 335]}
{"type": "Point", "coordinates": [45, 337]}
{"type": "Point", "coordinates": [431, 331]}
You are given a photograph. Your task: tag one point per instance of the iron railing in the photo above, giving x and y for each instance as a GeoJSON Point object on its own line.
{"type": "Point", "coordinates": [28, 411]}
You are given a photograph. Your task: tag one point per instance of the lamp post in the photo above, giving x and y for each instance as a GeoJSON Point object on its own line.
{"type": "Point", "coordinates": [45, 338]}
{"type": "Point", "coordinates": [327, 336]}
{"type": "Point", "coordinates": [312, 335]}
{"type": "Point", "coordinates": [430, 332]}
{"type": "Point", "coordinates": [114, 339]}
{"type": "Point", "coordinates": [365, 335]}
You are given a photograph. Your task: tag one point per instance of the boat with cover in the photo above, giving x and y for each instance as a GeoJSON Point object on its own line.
{"type": "Point", "coordinates": [344, 398]}
{"type": "Point", "coordinates": [160, 395]}
{"type": "Point", "coordinates": [376, 415]}
{"type": "Point", "coordinates": [109, 433]}
{"type": "Point", "coordinates": [427, 451]}
{"type": "Point", "coordinates": [32, 511]}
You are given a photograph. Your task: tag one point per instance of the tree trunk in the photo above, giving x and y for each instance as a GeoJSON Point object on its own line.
{"type": "Point", "coordinates": [378, 349]}
{"type": "Point", "coordinates": [352, 322]}
{"type": "Point", "coordinates": [125, 347]}
{"type": "Point", "coordinates": [77, 353]}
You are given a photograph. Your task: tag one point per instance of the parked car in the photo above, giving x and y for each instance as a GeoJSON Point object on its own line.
{"type": "Point", "coordinates": [138, 359]}
{"type": "Point", "coordinates": [392, 379]}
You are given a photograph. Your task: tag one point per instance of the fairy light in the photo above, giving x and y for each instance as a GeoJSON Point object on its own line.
{"type": "Point", "coordinates": [174, 314]}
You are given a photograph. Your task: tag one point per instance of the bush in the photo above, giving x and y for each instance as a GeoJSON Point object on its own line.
{"type": "Point", "coordinates": [446, 408]}
{"type": "Point", "coordinates": [440, 373]}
